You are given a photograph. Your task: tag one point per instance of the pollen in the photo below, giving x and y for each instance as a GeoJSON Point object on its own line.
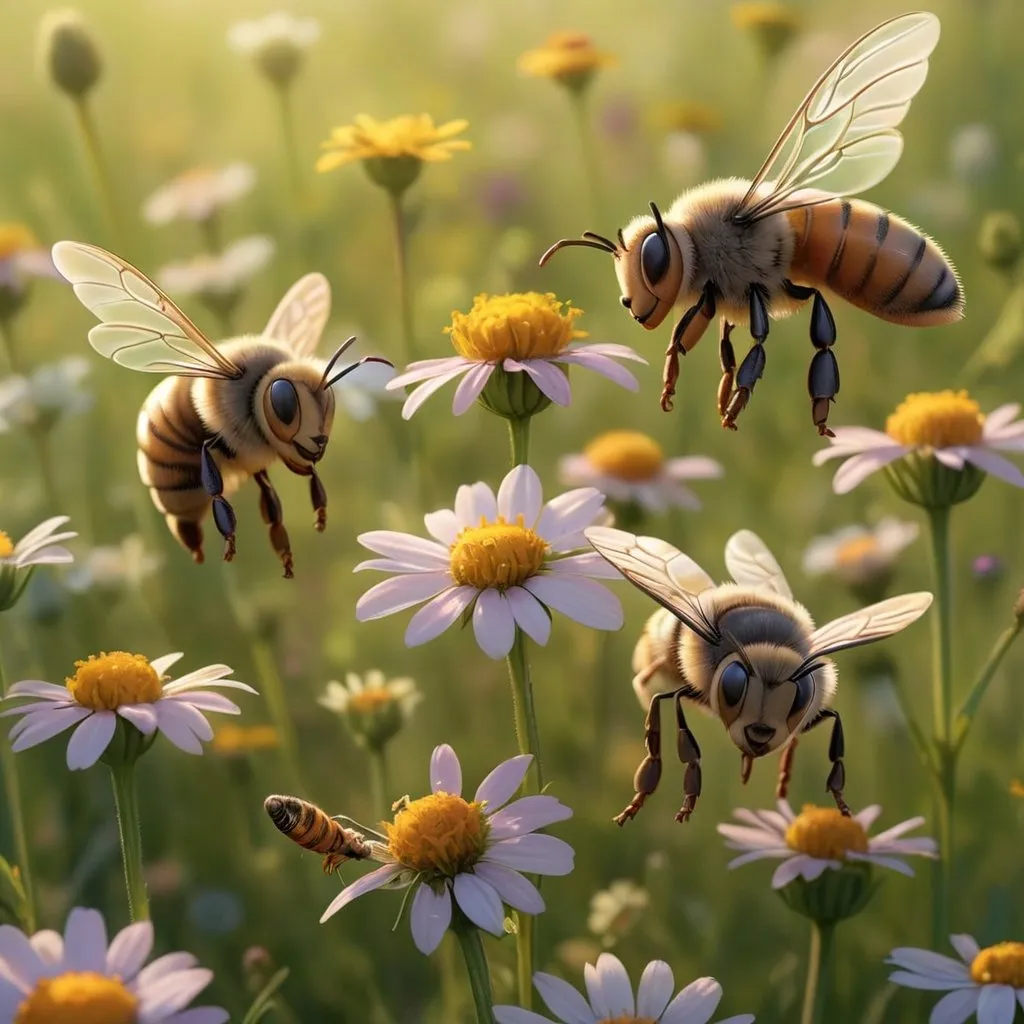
{"type": "Point", "coordinates": [6, 545]}
{"type": "Point", "coordinates": [78, 997]}
{"type": "Point", "coordinates": [496, 554]}
{"type": "Point", "coordinates": [626, 455]}
{"type": "Point", "coordinates": [370, 700]}
{"type": "Point", "coordinates": [940, 419]}
{"type": "Point", "coordinates": [440, 833]}
{"type": "Point", "coordinates": [824, 833]}
{"type": "Point", "coordinates": [521, 325]}
{"type": "Point", "coordinates": [1002, 964]}
{"type": "Point", "coordinates": [105, 682]}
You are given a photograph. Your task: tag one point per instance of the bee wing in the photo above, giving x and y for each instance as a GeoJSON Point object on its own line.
{"type": "Point", "coordinates": [843, 137]}
{"type": "Point", "coordinates": [301, 315]}
{"type": "Point", "coordinates": [750, 562]}
{"type": "Point", "coordinates": [875, 622]}
{"type": "Point", "coordinates": [140, 327]}
{"type": "Point", "coordinates": [660, 571]}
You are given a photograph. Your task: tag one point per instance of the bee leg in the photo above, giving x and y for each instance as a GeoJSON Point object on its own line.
{"type": "Point", "coordinates": [273, 516]}
{"type": "Point", "coordinates": [785, 770]}
{"type": "Point", "coordinates": [648, 775]}
{"type": "Point", "coordinates": [318, 495]}
{"type": "Point", "coordinates": [689, 754]}
{"type": "Point", "coordinates": [727, 358]}
{"type": "Point", "coordinates": [190, 534]}
{"type": "Point", "coordinates": [836, 750]}
{"type": "Point", "coordinates": [752, 367]}
{"type": "Point", "coordinates": [685, 335]}
{"type": "Point", "coordinates": [746, 767]}
{"type": "Point", "coordinates": [213, 484]}
{"type": "Point", "coordinates": [823, 375]}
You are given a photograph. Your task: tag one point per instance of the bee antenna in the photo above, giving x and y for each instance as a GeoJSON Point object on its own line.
{"type": "Point", "coordinates": [355, 366]}
{"type": "Point", "coordinates": [600, 238]}
{"type": "Point", "coordinates": [726, 635]}
{"type": "Point", "coordinates": [339, 352]}
{"type": "Point", "coordinates": [658, 220]}
{"type": "Point", "coordinates": [596, 242]}
{"type": "Point", "coordinates": [622, 240]}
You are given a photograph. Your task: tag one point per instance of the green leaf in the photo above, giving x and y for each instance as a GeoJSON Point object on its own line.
{"type": "Point", "coordinates": [264, 1002]}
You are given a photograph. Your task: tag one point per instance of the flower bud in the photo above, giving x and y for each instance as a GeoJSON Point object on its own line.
{"type": "Point", "coordinates": [514, 396]}
{"type": "Point", "coordinates": [922, 480]}
{"type": "Point", "coordinates": [834, 896]}
{"type": "Point", "coordinates": [69, 53]}
{"type": "Point", "coordinates": [393, 173]}
{"type": "Point", "coordinates": [1000, 239]}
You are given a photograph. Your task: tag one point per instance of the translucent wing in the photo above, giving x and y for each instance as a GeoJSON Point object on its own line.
{"type": "Point", "coordinates": [660, 571]}
{"type": "Point", "coordinates": [301, 315]}
{"type": "Point", "coordinates": [140, 327]}
{"type": "Point", "coordinates": [875, 622]}
{"type": "Point", "coordinates": [843, 137]}
{"type": "Point", "coordinates": [750, 562]}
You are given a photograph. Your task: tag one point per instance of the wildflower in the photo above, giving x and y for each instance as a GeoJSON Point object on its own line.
{"type": "Point", "coordinates": [684, 156]}
{"type": "Point", "coordinates": [1000, 239]}
{"type": "Point", "coordinates": [568, 57]}
{"type": "Point", "coordinates": [820, 839]}
{"type": "Point", "coordinates": [199, 193]}
{"type": "Point", "coordinates": [52, 392]}
{"type": "Point", "coordinates": [21, 256]}
{"type": "Point", "coordinates": [114, 567]}
{"type": "Point", "coordinates": [239, 740]}
{"type": "Point", "coordinates": [69, 53]}
{"type": "Point", "coordinates": [513, 353]}
{"type": "Point", "coordinates": [374, 708]}
{"type": "Point", "coordinates": [615, 911]}
{"type": "Point", "coordinates": [393, 151]}
{"type": "Point", "coordinates": [987, 568]}
{"type": "Point", "coordinates": [505, 560]}
{"type": "Point", "coordinates": [937, 447]}
{"type": "Point", "coordinates": [40, 546]}
{"type": "Point", "coordinates": [973, 152]}
{"type": "Point", "coordinates": [277, 43]}
{"type": "Point", "coordinates": [688, 116]}
{"type": "Point", "coordinates": [107, 688]}
{"type": "Point", "coordinates": [988, 983]}
{"type": "Point", "coordinates": [80, 979]}
{"type": "Point", "coordinates": [630, 467]}
{"type": "Point", "coordinates": [610, 998]}
{"type": "Point", "coordinates": [772, 24]}
{"type": "Point", "coordinates": [444, 845]}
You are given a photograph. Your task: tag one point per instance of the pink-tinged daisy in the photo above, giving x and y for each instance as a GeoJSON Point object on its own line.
{"type": "Point", "coordinates": [984, 984]}
{"type": "Point", "coordinates": [80, 979]}
{"type": "Point", "coordinates": [947, 426]}
{"type": "Point", "coordinates": [506, 557]}
{"type": "Point", "coordinates": [821, 838]}
{"type": "Point", "coordinates": [521, 333]}
{"type": "Point", "coordinates": [446, 846]}
{"type": "Point", "coordinates": [631, 467]}
{"type": "Point", "coordinates": [40, 546]}
{"type": "Point", "coordinates": [610, 998]}
{"type": "Point", "coordinates": [109, 687]}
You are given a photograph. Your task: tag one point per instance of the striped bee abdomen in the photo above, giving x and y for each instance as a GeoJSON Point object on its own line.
{"type": "Point", "coordinates": [877, 261]}
{"type": "Point", "coordinates": [313, 829]}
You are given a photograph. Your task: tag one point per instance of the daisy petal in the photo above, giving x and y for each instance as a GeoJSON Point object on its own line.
{"type": "Point", "coordinates": [997, 465]}
{"type": "Point", "coordinates": [429, 918]}
{"type": "Point", "coordinates": [445, 771]}
{"type": "Point", "coordinates": [925, 962]}
{"type": "Point", "coordinates": [955, 1007]}
{"type": "Point", "coordinates": [695, 1004]}
{"type": "Point", "coordinates": [424, 391]}
{"type": "Point", "coordinates": [603, 365]}
{"type": "Point", "coordinates": [399, 593]}
{"type": "Point", "coordinates": [425, 369]}
{"type": "Point", "coordinates": [548, 378]}
{"type": "Point", "coordinates": [130, 950]}
{"type": "Point", "coordinates": [515, 1015]}
{"type": "Point", "coordinates": [655, 990]}
{"type": "Point", "coordinates": [867, 817]}
{"type": "Point", "coordinates": [615, 985]}
{"type": "Point", "coordinates": [520, 495]}
{"type": "Point", "coordinates": [997, 1004]}
{"type": "Point", "coordinates": [856, 470]}
{"type": "Point", "coordinates": [591, 564]}
{"type": "Point", "coordinates": [176, 725]}
{"type": "Point", "coordinates": [470, 387]}
{"type": "Point", "coordinates": [494, 626]}
{"type": "Point", "coordinates": [568, 515]}
{"type": "Point", "coordinates": [37, 688]}
{"type": "Point", "coordinates": [438, 614]}
{"type": "Point", "coordinates": [352, 891]}
{"type": "Point", "coordinates": [501, 783]}
{"type": "Point", "coordinates": [406, 548]}
{"type": "Point", "coordinates": [46, 725]}
{"type": "Point", "coordinates": [530, 615]}
{"type": "Point", "coordinates": [527, 815]}
{"type": "Point", "coordinates": [85, 941]}
{"type": "Point", "coordinates": [480, 902]}
{"type": "Point", "coordinates": [562, 999]}
{"type": "Point", "coordinates": [693, 467]}
{"type": "Point", "coordinates": [920, 981]}
{"type": "Point", "coordinates": [966, 947]}
{"type": "Point", "coordinates": [172, 993]}
{"type": "Point", "coordinates": [142, 716]}
{"type": "Point", "coordinates": [537, 853]}
{"type": "Point", "coordinates": [512, 887]}
{"type": "Point", "coordinates": [23, 964]}
{"type": "Point", "coordinates": [584, 601]}
{"type": "Point", "coordinates": [90, 739]}
{"type": "Point", "coordinates": [442, 525]}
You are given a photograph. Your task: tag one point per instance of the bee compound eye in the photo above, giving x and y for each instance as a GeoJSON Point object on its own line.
{"type": "Point", "coordinates": [654, 258]}
{"type": "Point", "coordinates": [804, 692]}
{"type": "Point", "coordinates": [284, 400]}
{"type": "Point", "coordinates": [733, 683]}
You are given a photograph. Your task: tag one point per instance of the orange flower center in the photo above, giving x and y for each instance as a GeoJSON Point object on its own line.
{"type": "Point", "coordinates": [78, 997]}
{"type": "Point", "coordinates": [440, 833]}
{"type": "Point", "coordinates": [370, 700]}
{"type": "Point", "coordinates": [824, 833]}
{"type": "Point", "coordinates": [1002, 964]}
{"type": "Point", "coordinates": [105, 682]}
{"type": "Point", "coordinates": [6, 546]}
{"type": "Point", "coordinates": [942, 419]}
{"type": "Point", "coordinates": [626, 454]}
{"type": "Point", "coordinates": [857, 550]}
{"type": "Point", "coordinates": [498, 554]}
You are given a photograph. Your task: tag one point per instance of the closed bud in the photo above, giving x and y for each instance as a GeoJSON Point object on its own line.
{"type": "Point", "coordinates": [833, 896]}
{"type": "Point", "coordinates": [69, 53]}
{"type": "Point", "coordinates": [1000, 239]}
{"type": "Point", "coordinates": [513, 396]}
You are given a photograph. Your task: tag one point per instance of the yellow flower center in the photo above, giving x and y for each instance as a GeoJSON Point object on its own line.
{"type": "Point", "coordinates": [938, 419]}
{"type": "Point", "coordinates": [6, 546]}
{"type": "Point", "coordinates": [106, 681]}
{"type": "Point", "coordinates": [565, 55]}
{"type": "Point", "coordinates": [370, 700]}
{"type": "Point", "coordinates": [824, 833]}
{"type": "Point", "coordinates": [497, 554]}
{"type": "Point", "coordinates": [244, 739]}
{"type": "Point", "coordinates": [1002, 964]}
{"type": "Point", "coordinates": [522, 325]}
{"type": "Point", "coordinates": [766, 14]}
{"type": "Point", "coordinates": [15, 238]}
{"type": "Point", "coordinates": [626, 454]}
{"type": "Point", "coordinates": [438, 833]}
{"type": "Point", "coordinates": [854, 552]}
{"type": "Point", "coordinates": [78, 997]}
{"type": "Point", "coordinates": [1017, 788]}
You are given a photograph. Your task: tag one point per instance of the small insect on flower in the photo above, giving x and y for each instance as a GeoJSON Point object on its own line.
{"type": "Point", "coordinates": [746, 652]}
{"type": "Point", "coordinates": [227, 412]}
{"type": "Point", "coordinates": [313, 829]}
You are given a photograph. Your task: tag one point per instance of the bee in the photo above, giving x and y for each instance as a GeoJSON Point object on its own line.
{"type": "Point", "coordinates": [226, 412]}
{"type": "Point", "coordinates": [749, 251]}
{"type": "Point", "coordinates": [313, 829]}
{"type": "Point", "coordinates": [745, 651]}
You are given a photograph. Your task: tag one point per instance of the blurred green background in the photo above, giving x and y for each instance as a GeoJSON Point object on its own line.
{"type": "Point", "coordinates": [174, 96]}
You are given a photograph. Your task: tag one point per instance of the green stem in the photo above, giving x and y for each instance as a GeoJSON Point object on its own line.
{"type": "Point", "coordinates": [969, 709]}
{"type": "Point", "coordinates": [291, 146]}
{"type": "Point", "coordinates": [818, 970]}
{"type": "Point", "coordinates": [126, 801]}
{"type": "Point", "coordinates": [380, 781]}
{"type": "Point", "coordinates": [44, 457]}
{"type": "Point", "coordinates": [271, 687]}
{"type": "Point", "coordinates": [401, 235]}
{"type": "Point", "coordinates": [94, 154]}
{"type": "Point", "coordinates": [209, 228]}
{"type": "Point", "coordinates": [519, 435]}
{"type": "Point", "coordinates": [476, 966]}
{"type": "Point", "coordinates": [12, 793]}
{"type": "Point", "coordinates": [591, 166]}
{"type": "Point", "coordinates": [7, 343]}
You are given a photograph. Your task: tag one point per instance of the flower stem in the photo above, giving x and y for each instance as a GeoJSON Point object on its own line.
{"type": "Point", "coordinates": [969, 708]}
{"type": "Point", "coordinates": [209, 228]}
{"type": "Point", "coordinates": [818, 968]}
{"type": "Point", "coordinates": [476, 966]}
{"type": "Point", "coordinates": [400, 231]}
{"type": "Point", "coordinates": [519, 434]}
{"type": "Point", "coordinates": [7, 344]}
{"type": "Point", "coordinates": [12, 795]}
{"type": "Point", "coordinates": [126, 801]}
{"type": "Point", "coordinates": [380, 780]}
{"type": "Point", "coordinates": [591, 167]}
{"type": "Point", "coordinates": [94, 154]}
{"type": "Point", "coordinates": [272, 688]}
{"type": "Point", "coordinates": [291, 147]}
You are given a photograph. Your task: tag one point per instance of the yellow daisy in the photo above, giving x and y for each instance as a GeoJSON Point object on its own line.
{"type": "Point", "coordinates": [569, 57]}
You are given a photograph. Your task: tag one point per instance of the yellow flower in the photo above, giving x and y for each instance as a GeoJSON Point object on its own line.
{"type": "Point", "coordinates": [772, 24]}
{"type": "Point", "coordinates": [569, 57]}
{"type": "Point", "coordinates": [1017, 788]}
{"type": "Point", "coordinates": [16, 238]}
{"type": "Point", "coordinates": [686, 116]}
{"type": "Point", "coordinates": [937, 420]}
{"type": "Point", "coordinates": [235, 740]}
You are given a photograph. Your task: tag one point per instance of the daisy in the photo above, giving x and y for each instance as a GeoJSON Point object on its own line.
{"type": "Point", "coordinates": [407, 137]}
{"type": "Point", "coordinates": [114, 567]}
{"type": "Point", "coordinates": [277, 42]}
{"type": "Point", "coordinates": [505, 560]}
{"type": "Point", "coordinates": [374, 708]}
{"type": "Point", "coordinates": [567, 57]}
{"type": "Point", "coordinates": [526, 333]}
{"type": "Point", "coordinates": [610, 998]}
{"type": "Point", "coordinates": [221, 276]}
{"type": "Point", "coordinates": [820, 838]}
{"type": "Point", "coordinates": [444, 845]}
{"type": "Point", "coordinates": [947, 427]}
{"type": "Point", "coordinates": [860, 555]}
{"type": "Point", "coordinates": [21, 256]}
{"type": "Point", "coordinates": [47, 979]}
{"type": "Point", "coordinates": [198, 194]}
{"type": "Point", "coordinates": [52, 392]}
{"type": "Point", "coordinates": [615, 911]}
{"type": "Point", "coordinates": [986, 984]}
{"type": "Point", "coordinates": [631, 467]}
{"type": "Point", "coordinates": [41, 546]}
{"type": "Point", "coordinates": [107, 687]}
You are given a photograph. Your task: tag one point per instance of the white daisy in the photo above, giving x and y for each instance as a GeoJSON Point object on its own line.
{"type": "Point", "coordinates": [374, 708]}
{"type": "Point", "coordinates": [615, 911]}
{"type": "Point", "coordinates": [860, 554]}
{"type": "Point", "coordinates": [505, 559]}
{"type": "Point", "coordinates": [629, 466]}
{"type": "Point", "coordinates": [199, 193]}
{"type": "Point", "coordinates": [984, 984]}
{"type": "Point", "coordinates": [114, 567]}
{"type": "Point", "coordinates": [21, 256]}
{"type": "Point", "coordinates": [49, 979]}
{"type": "Point", "coordinates": [474, 850]}
{"type": "Point", "coordinates": [222, 275]}
{"type": "Point", "coordinates": [41, 546]}
{"type": "Point", "coordinates": [821, 838]}
{"type": "Point", "coordinates": [610, 998]}
{"type": "Point", "coordinates": [107, 688]}
{"type": "Point", "coordinates": [279, 29]}
{"type": "Point", "coordinates": [52, 392]}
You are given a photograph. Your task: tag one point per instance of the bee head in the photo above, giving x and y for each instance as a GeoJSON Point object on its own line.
{"type": "Point", "coordinates": [296, 413]}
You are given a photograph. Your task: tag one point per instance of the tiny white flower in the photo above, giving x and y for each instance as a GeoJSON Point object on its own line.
{"type": "Point", "coordinates": [860, 554]}
{"type": "Point", "coordinates": [199, 193]}
{"type": "Point", "coordinates": [251, 36]}
{"type": "Point", "coordinates": [973, 151]}
{"type": "Point", "coordinates": [374, 708]}
{"type": "Point", "coordinates": [220, 275]}
{"type": "Point", "coordinates": [49, 394]}
{"type": "Point", "coordinates": [615, 911]}
{"type": "Point", "coordinates": [114, 566]}
{"type": "Point", "coordinates": [21, 256]}
{"type": "Point", "coordinates": [40, 546]}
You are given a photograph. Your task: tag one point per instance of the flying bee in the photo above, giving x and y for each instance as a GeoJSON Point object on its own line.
{"type": "Point", "coordinates": [313, 829]}
{"type": "Point", "coordinates": [225, 413]}
{"type": "Point", "coordinates": [751, 250]}
{"type": "Point", "coordinates": [745, 651]}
